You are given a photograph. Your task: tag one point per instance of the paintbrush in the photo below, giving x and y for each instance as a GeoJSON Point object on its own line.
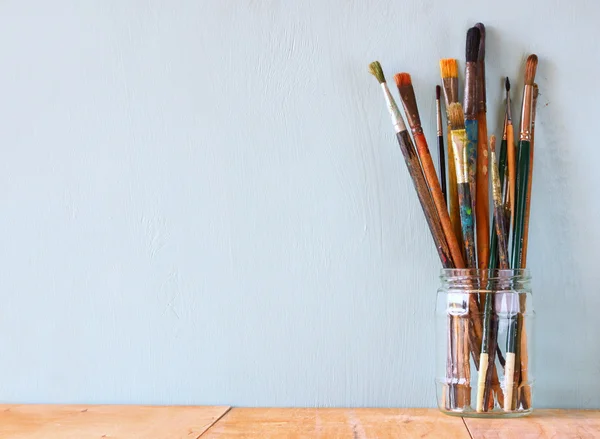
{"type": "Point", "coordinates": [519, 218]}
{"type": "Point", "coordinates": [470, 109]}
{"type": "Point", "coordinates": [449, 74]}
{"type": "Point", "coordinates": [488, 345]}
{"type": "Point", "coordinates": [416, 173]}
{"type": "Point", "coordinates": [409, 101]}
{"type": "Point", "coordinates": [511, 154]}
{"type": "Point", "coordinates": [524, 357]}
{"type": "Point", "coordinates": [440, 138]}
{"type": "Point", "coordinates": [482, 214]}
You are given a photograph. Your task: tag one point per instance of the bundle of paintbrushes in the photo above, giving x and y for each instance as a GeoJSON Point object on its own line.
{"type": "Point", "coordinates": [482, 243]}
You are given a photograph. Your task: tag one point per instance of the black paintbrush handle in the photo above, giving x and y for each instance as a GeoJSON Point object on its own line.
{"type": "Point", "coordinates": [442, 162]}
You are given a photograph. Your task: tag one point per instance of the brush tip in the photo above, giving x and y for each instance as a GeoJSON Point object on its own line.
{"type": "Point", "coordinates": [438, 92]}
{"type": "Point", "coordinates": [507, 84]}
{"type": "Point", "coordinates": [481, 54]}
{"type": "Point", "coordinates": [376, 70]}
{"type": "Point", "coordinates": [530, 69]}
{"type": "Point", "coordinates": [456, 116]}
{"type": "Point", "coordinates": [449, 68]}
{"type": "Point", "coordinates": [472, 49]}
{"type": "Point", "coordinates": [402, 79]}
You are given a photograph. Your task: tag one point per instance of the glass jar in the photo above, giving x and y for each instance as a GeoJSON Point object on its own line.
{"type": "Point", "coordinates": [484, 329]}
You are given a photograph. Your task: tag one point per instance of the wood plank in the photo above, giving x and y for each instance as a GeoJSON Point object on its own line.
{"type": "Point", "coordinates": [273, 423]}
{"type": "Point", "coordinates": [542, 424]}
{"type": "Point", "coordinates": [107, 421]}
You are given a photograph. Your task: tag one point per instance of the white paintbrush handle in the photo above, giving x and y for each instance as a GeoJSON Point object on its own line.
{"type": "Point", "coordinates": [509, 379]}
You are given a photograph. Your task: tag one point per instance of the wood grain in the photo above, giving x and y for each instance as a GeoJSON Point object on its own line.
{"type": "Point", "coordinates": [277, 423]}
{"type": "Point", "coordinates": [558, 424]}
{"type": "Point", "coordinates": [109, 421]}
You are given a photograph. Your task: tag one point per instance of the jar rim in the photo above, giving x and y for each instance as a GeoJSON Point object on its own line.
{"type": "Point", "coordinates": [500, 274]}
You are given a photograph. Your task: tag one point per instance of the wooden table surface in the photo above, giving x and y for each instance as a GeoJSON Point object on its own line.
{"type": "Point", "coordinates": [175, 422]}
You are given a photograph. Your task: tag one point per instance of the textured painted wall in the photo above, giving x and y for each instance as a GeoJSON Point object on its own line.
{"type": "Point", "coordinates": [203, 201]}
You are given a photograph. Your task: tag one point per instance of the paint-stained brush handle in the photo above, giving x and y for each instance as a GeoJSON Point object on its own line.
{"type": "Point", "coordinates": [422, 189]}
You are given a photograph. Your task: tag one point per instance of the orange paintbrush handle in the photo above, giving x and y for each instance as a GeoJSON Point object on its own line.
{"type": "Point", "coordinates": [438, 198]}
{"type": "Point", "coordinates": [482, 208]}
{"type": "Point", "coordinates": [453, 191]}
{"type": "Point", "coordinates": [512, 167]}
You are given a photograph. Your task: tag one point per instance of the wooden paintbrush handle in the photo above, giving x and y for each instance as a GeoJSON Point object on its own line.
{"type": "Point", "coordinates": [452, 192]}
{"type": "Point", "coordinates": [482, 212]}
{"type": "Point", "coordinates": [431, 216]}
{"type": "Point", "coordinates": [524, 353]}
{"type": "Point", "coordinates": [438, 198]}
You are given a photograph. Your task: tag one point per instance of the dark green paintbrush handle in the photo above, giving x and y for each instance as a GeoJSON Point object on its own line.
{"type": "Point", "coordinates": [519, 222]}
{"type": "Point", "coordinates": [521, 201]}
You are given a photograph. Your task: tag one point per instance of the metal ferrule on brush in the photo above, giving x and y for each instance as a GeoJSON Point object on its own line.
{"type": "Point", "coordinates": [470, 103]}
{"type": "Point", "coordinates": [397, 120]}
{"type": "Point", "coordinates": [526, 114]}
{"type": "Point", "coordinates": [450, 86]}
{"type": "Point", "coordinates": [459, 142]}
{"type": "Point", "coordinates": [438, 111]}
{"type": "Point", "coordinates": [409, 101]}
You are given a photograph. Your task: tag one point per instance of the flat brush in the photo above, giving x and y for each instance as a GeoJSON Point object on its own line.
{"type": "Point", "coordinates": [440, 139]}
{"type": "Point", "coordinates": [488, 348]}
{"type": "Point", "coordinates": [449, 74]}
{"type": "Point", "coordinates": [470, 108]}
{"type": "Point", "coordinates": [409, 101]}
{"type": "Point", "coordinates": [519, 218]}
{"type": "Point", "coordinates": [482, 214]}
{"type": "Point", "coordinates": [414, 169]}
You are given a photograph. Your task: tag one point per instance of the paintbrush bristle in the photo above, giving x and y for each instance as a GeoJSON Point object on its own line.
{"type": "Point", "coordinates": [507, 84]}
{"type": "Point", "coordinates": [376, 70]}
{"type": "Point", "coordinates": [456, 116]}
{"type": "Point", "coordinates": [481, 52]}
{"type": "Point", "coordinates": [473, 39]}
{"type": "Point", "coordinates": [438, 92]}
{"type": "Point", "coordinates": [530, 68]}
{"type": "Point", "coordinates": [449, 68]}
{"type": "Point", "coordinates": [402, 79]}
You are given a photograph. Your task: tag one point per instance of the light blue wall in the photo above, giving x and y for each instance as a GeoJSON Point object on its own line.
{"type": "Point", "coordinates": [202, 202]}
